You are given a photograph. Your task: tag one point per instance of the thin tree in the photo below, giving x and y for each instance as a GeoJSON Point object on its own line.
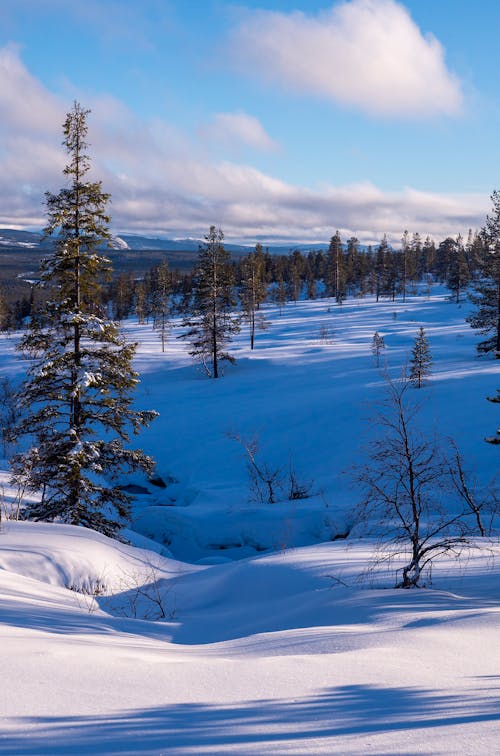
{"type": "Point", "coordinates": [383, 269]}
{"type": "Point", "coordinates": [336, 277]}
{"type": "Point", "coordinates": [458, 270]}
{"type": "Point", "coordinates": [161, 301]}
{"type": "Point", "coordinates": [378, 346]}
{"type": "Point", "coordinates": [421, 360]}
{"type": "Point", "coordinates": [253, 291]}
{"type": "Point", "coordinates": [212, 323]}
{"type": "Point", "coordinates": [78, 393]}
{"type": "Point", "coordinates": [405, 252]}
{"type": "Point", "coordinates": [416, 490]}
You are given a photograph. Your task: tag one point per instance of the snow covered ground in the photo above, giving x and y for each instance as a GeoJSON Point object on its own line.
{"type": "Point", "coordinates": [245, 629]}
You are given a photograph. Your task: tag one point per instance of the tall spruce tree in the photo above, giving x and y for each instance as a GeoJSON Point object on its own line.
{"type": "Point", "coordinates": [253, 291]}
{"type": "Point", "coordinates": [212, 322]}
{"type": "Point", "coordinates": [487, 289]}
{"type": "Point", "coordinates": [78, 393]}
{"type": "Point", "coordinates": [420, 363]}
{"type": "Point", "coordinates": [405, 255]}
{"type": "Point", "coordinates": [458, 270]}
{"type": "Point", "coordinates": [383, 269]}
{"type": "Point", "coordinates": [335, 273]}
{"type": "Point", "coordinates": [161, 301]}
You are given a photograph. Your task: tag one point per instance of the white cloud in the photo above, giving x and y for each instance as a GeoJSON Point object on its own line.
{"type": "Point", "coordinates": [366, 54]}
{"type": "Point", "coordinates": [162, 182]}
{"type": "Point", "coordinates": [238, 129]}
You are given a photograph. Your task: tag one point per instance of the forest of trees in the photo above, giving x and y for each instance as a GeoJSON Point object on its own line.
{"type": "Point", "coordinates": [345, 268]}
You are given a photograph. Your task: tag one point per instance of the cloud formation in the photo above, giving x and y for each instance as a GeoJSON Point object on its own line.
{"type": "Point", "coordinates": [366, 54]}
{"type": "Point", "coordinates": [162, 182]}
{"type": "Point", "coordinates": [238, 129]}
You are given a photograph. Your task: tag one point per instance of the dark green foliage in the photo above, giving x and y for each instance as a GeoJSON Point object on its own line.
{"type": "Point", "coordinates": [161, 301]}
{"type": "Point", "coordinates": [458, 270]}
{"type": "Point", "coordinates": [487, 289]}
{"type": "Point", "coordinates": [335, 280]}
{"type": "Point", "coordinates": [78, 393]}
{"type": "Point", "coordinates": [420, 363]}
{"type": "Point", "coordinates": [212, 322]}
{"type": "Point", "coordinates": [253, 291]}
{"type": "Point", "coordinates": [385, 271]}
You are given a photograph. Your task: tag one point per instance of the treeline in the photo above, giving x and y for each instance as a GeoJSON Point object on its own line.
{"type": "Point", "coordinates": [344, 269]}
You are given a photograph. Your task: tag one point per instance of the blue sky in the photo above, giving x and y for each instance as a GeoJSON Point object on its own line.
{"type": "Point", "coordinates": [274, 119]}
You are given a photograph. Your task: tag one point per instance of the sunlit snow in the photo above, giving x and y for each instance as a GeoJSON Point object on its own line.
{"type": "Point", "coordinates": [243, 628]}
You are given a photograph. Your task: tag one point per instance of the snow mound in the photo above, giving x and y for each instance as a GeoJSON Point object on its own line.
{"type": "Point", "coordinates": [73, 557]}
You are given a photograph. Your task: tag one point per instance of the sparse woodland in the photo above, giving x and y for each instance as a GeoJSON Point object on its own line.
{"type": "Point", "coordinates": [77, 400]}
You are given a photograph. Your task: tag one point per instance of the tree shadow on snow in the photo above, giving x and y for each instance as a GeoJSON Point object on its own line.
{"type": "Point", "coordinates": [255, 726]}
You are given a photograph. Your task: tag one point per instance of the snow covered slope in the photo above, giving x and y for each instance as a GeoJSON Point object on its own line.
{"type": "Point", "coordinates": [244, 628]}
{"type": "Point", "coordinates": [307, 393]}
{"type": "Point", "coordinates": [269, 655]}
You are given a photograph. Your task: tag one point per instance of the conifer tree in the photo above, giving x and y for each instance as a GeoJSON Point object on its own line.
{"type": "Point", "coordinates": [212, 322]}
{"type": "Point", "coordinates": [161, 301]}
{"type": "Point", "coordinates": [352, 267]}
{"type": "Point", "coordinates": [487, 290]}
{"type": "Point", "coordinates": [383, 260]}
{"type": "Point", "coordinates": [496, 438]}
{"type": "Point", "coordinates": [280, 293]}
{"type": "Point", "coordinates": [405, 254]}
{"type": "Point", "coordinates": [336, 277]}
{"type": "Point", "coordinates": [253, 291]}
{"type": "Point", "coordinates": [140, 302]}
{"type": "Point", "coordinates": [428, 255]}
{"type": "Point", "coordinates": [78, 392]}
{"type": "Point", "coordinates": [458, 270]}
{"type": "Point", "coordinates": [378, 345]}
{"type": "Point", "coordinates": [420, 363]}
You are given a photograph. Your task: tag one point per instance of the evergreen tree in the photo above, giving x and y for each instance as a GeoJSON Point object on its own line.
{"type": "Point", "coordinates": [336, 277]}
{"type": "Point", "coordinates": [296, 269]}
{"type": "Point", "coordinates": [420, 363]}
{"type": "Point", "coordinates": [383, 264]}
{"type": "Point", "coordinates": [444, 257]}
{"type": "Point", "coordinates": [253, 291]}
{"type": "Point", "coordinates": [78, 393]}
{"type": "Point", "coordinates": [140, 302]}
{"type": "Point", "coordinates": [458, 270]}
{"type": "Point", "coordinates": [122, 294]}
{"type": "Point", "coordinates": [428, 256]}
{"type": "Point", "coordinates": [496, 438]}
{"type": "Point", "coordinates": [378, 345]}
{"type": "Point", "coordinates": [352, 266]}
{"type": "Point", "coordinates": [417, 262]}
{"type": "Point", "coordinates": [487, 290]}
{"type": "Point", "coordinates": [405, 253]}
{"type": "Point", "coordinates": [279, 294]}
{"type": "Point", "coordinates": [161, 301]}
{"type": "Point", "coordinates": [474, 253]}
{"type": "Point", "coordinates": [212, 323]}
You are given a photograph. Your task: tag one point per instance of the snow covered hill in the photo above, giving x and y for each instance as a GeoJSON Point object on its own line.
{"type": "Point", "coordinates": [268, 655]}
{"type": "Point", "coordinates": [252, 628]}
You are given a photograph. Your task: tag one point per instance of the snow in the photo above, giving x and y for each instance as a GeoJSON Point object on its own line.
{"type": "Point", "coordinates": [118, 243]}
{"type": "Point", "coordinates": [244, 628]}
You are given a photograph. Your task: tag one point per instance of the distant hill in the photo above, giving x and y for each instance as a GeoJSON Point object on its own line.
{"type": "Point", "coordinates": [31, 240]}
